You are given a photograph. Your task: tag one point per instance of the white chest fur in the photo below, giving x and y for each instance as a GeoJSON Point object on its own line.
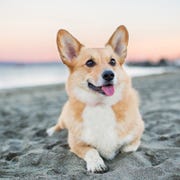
{"type": "Point", "coordinates": [99, 130]}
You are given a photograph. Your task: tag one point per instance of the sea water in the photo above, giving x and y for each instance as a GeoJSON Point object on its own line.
{"type": "Point", "coordinates": [26, 75]}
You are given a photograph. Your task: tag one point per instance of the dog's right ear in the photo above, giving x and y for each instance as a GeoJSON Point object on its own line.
{"type": "Point", "coordinates": [68, 46]}
{"type": "Point", "coordinates": [118, 42]}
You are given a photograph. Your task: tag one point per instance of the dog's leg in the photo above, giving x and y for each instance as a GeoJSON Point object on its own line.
{"type": "Point", "coordinates": [53, 129]}
{"type": "Point", "coordinates": [132, 146]}
{"type": "Point", "coordinates": [56, 128]}
{"type": "Point", "coordinates": [94, 163]}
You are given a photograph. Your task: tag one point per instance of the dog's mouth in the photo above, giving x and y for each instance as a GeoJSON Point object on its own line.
{"type": "Point", "coordinates": [107, 89]}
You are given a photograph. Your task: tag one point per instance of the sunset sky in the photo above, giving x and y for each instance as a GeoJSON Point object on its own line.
{"type": "Point", "coordinates": [28, 28]}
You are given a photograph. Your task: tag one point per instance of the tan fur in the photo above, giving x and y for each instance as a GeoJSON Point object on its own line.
{"type": "Point", "coordinates": [129, 125]}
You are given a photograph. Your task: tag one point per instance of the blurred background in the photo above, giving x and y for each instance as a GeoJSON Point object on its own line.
{"type": "Point", "coordinates": [28, 52]}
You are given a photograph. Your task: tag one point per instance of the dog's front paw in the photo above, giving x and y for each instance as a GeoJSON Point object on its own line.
{"type": "Point", "coordinates": [95, 163]}
{"type": "Point", "coordinates": [97, 167]}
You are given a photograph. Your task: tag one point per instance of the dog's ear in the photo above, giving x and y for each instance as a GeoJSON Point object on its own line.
{"type": "Point", "coordinates": [118, 42]}
{"type": "Point", "coordinates": [68, 46]}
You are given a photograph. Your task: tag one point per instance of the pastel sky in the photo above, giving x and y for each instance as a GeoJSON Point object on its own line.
{"type": "Point", "coordinates": [28, 28]}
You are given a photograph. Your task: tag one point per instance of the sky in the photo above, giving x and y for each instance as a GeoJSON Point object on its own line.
{"type": "Point", "coordinates": [28, 28]}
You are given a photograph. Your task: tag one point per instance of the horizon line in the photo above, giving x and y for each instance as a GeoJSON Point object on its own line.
{"type": "Point", "coordinates": [60, 61]}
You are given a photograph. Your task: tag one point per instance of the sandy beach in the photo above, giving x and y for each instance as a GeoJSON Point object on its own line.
{"type": "Point", "coordinates": [28, 153]}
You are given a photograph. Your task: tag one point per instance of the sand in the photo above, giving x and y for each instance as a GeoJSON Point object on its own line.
{"type": "Point", "coordinates": [27, 153]}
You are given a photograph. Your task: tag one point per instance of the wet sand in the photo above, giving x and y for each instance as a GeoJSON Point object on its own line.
{"type": "Point", "coordinates": [28, 153]}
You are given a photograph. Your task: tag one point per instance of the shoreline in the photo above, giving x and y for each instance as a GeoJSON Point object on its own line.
{"type": "Point", "coordinates": [24, 77]}
{"type": "Point", "coordinates": [62, 84]}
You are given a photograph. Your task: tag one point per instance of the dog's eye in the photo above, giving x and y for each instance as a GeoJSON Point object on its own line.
{"type": "Point", "coordinates": [112, 62]}
{"type": "Point", "coordinates": [90, 63]}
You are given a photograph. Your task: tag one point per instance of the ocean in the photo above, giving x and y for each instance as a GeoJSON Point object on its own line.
{"type": "Point", "coordinates": [27, 75]}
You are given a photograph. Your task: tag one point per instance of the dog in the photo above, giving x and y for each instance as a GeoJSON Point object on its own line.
{"type": "Point", "coordinates": [102, 113]}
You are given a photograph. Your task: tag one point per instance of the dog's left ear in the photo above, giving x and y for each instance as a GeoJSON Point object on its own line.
{"type": "Point", "coordinates": [118, 42]}
{"type": "Point", "coordinates": [69, 47]}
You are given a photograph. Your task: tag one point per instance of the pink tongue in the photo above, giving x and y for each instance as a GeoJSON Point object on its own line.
{"type": "Point", "coordinates": [108, 90]}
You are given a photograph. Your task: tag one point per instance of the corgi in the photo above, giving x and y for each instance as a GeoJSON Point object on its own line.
{"type": "Point", "coordinates": [102, 113]}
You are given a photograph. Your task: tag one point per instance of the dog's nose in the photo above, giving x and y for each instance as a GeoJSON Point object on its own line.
{"type": "Point", "coordinates": [108, 75]}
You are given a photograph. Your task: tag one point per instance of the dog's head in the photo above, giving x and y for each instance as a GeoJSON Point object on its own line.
{"type": "Point", "coordinates": [96, 75]}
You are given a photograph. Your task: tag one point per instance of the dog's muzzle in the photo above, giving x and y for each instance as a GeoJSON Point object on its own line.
{"type": "Point", "coordinates": [107, 89]}
{"type": "Point", "coordinates": [108, 85]}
